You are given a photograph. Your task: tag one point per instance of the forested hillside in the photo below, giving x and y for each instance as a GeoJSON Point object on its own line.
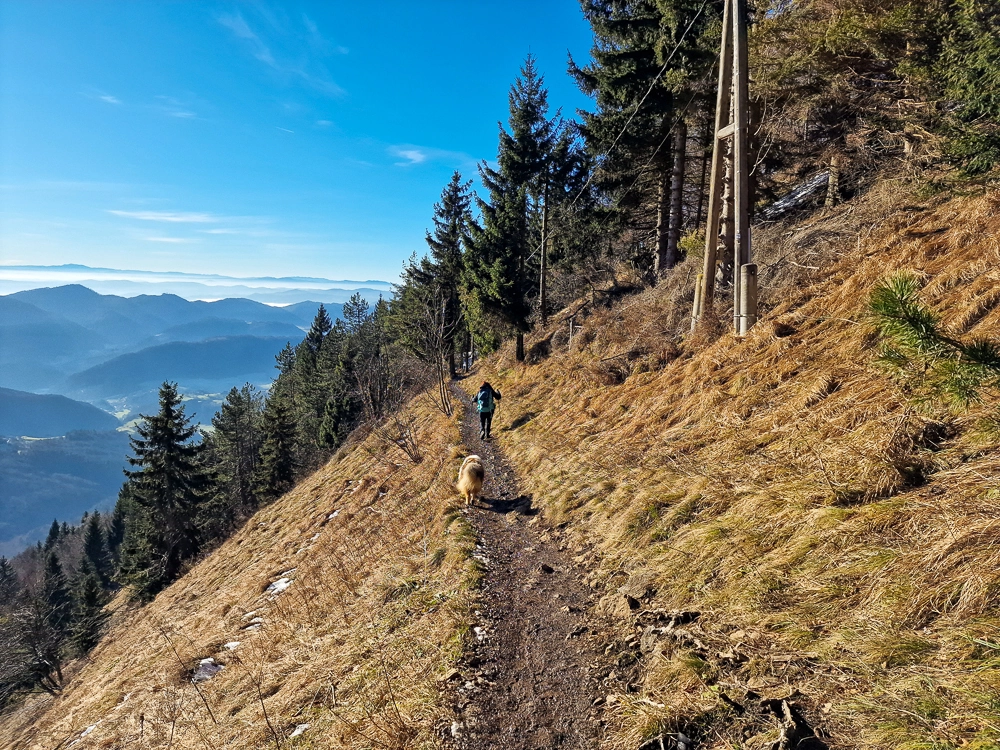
{"type": "Point", "coordinates": [789, 535]}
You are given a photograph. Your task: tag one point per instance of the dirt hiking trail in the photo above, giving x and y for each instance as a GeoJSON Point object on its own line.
{"type": "Point", "coordinates": [527, 680]}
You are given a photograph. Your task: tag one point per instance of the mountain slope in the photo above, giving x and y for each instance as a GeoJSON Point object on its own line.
{"type": "Point", "coordinates": [235, 358]}
{"type": "Point", "coordinates": [30, 414]}
{"type": "Point", "coordinates": [835, 545]}
{"type": "Point", "coordinates": [378, 562]}
{"type": "Point", "coordinates": [784, 544]}
{"type": "Point", "coordinates": [56, 478]}
{"type": "Point", "coordinates": [211, 328]}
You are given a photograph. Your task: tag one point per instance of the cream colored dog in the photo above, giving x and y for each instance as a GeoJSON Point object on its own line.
{"type": "Point", "coordinates": [470, 478]}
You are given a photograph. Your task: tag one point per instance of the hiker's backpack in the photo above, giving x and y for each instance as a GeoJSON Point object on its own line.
{"type": "Point", "coordinates": [484, 400]}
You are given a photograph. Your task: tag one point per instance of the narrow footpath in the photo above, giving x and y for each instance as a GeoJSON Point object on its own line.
{"type": "Point", "coordinates": [527, 680]}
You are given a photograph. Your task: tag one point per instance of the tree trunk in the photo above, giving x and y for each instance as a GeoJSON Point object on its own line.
{"type": "Point", "coordinates": [724, 274]}
{"type": "Point", "coordinates": [706, 144]}
{"type": "Point", "coordinates": [676, 194]}
{"type": "Point", "coordinates": [519, 354]}
{"type": "Point", "coordinates": [542, 291]}
{"type": "Point", "coordinates": [662, 223]}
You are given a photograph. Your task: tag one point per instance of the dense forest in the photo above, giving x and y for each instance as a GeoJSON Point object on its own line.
{"type": "Point", "coordinates": [604, 202]}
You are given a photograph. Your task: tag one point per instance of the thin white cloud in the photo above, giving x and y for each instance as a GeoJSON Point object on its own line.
{"type": "Point", "coordinates": [289, 61]}
{"type": "Point", "coordinates": [174, 217]}
{"type": "Point", "coordinates": [99, 95]}
{"type": "Point", "coordinates": [173, 240]}
{"type": "Point", "coordinates": [172, 107]}
{"type": "Point", "coordinates": [324, 123]}
{"type": "Point", "coordinates": [413, 155]}
{"type": "Point", "coordinates": [238, 25]}
{"type": "Point", "coordinates": [284, 129]}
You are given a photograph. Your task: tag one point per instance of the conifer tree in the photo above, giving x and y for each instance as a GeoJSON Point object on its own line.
{"type": "Point", "coordinates": [95, 549]}
{"type": "Point", "coordinates": [89, 616]}
{"type": "Point", "coordinates": [355, 313]}
{"type": "Point", "coordinates": [236, 445]}
{"type": "Point", "coordinates": [55, 532]}
{"type": "Point", "coordinates": [451, 230]}
{"type": "Point", "coordinates": [165, 491]}
{"type": "Point", "coordinates": [276, 471]}
{"type": "Point", "coordinates": [116, 529]}
{"type": "Point", "coordinates": [648, 61]}
{"type": "Point", "coordinates": [10, 586]}
{"type": "Point", "coordinates": [499, 277]}
{"type": "Point", "coordinates": [320, 327]}
{"type": "Point", "coordinates": [55, 595]}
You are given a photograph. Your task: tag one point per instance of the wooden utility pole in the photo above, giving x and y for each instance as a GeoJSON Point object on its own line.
{"type": "Point", "coordinates": [732, 96]}
{"type": "Point", "coordinates": [542, 300]}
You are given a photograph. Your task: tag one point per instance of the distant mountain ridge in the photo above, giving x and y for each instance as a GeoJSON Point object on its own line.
{"type": "Point", "coordinates": [43, 416]}
{"type": "Point", "coordinates": [60, 456]}
{"type": "Point", "coordinates": [51, 333]}
{"type": "Point", "coordinates": [277, 290]}
{"type": "Point", "coordinates": [236, 358]}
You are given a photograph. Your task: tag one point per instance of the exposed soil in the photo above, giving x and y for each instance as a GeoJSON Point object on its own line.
{"type": "Point", "coordinates": [528, 679]}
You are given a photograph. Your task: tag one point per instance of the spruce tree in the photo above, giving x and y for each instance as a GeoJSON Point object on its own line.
{"type": "Point", "coordinates": [451, 230]}
{"type": "Point", "coordinates": [648, 62]}
{"type": "Point", "coordinates": [55, 595]}
{"type": "Point", "coordinates": [320, 327]}
{"type": "Point", "coordinates": [95, 549]}
{"type": "Point", "coordinates": [237, 443]}
{"type": "Point", "coordinates": [276, 471]}
{"type": "Point", "coordinates": [89, 616]}
{"type": "Point", "coordinates": [55, 532]}
{"type": "Point", "coordinates": [355, 313]}
{"type": "Point", "coordinates": [116, 529]}
{"type": "Point", "coordinates": [10, 586]}
{"type": "Point", "coordinates": [499, 276]}
{"type": "Point", "coordinates": [165, 492]}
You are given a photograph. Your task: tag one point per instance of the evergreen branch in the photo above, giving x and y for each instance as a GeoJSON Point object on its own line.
{"type": "Point", "coordinates": [928, 362]}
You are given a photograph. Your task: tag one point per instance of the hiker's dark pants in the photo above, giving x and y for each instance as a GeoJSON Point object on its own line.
{"type": "Point", "coordinates": [485, 421]}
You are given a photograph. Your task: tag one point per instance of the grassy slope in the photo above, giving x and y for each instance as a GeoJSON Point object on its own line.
{"type": "Point", "coordinates": [836, 545]}
{"type": "Point", "coordinates": [374, 615]}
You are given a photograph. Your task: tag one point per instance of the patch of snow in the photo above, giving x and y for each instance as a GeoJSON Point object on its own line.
{"type": "Point", "coordinates": [231, 645]}
{"type": "Point", "coordinates": [333, 515]}
{"type": "Point", "coordinates": [207, 669]}
{"type": "Point", "coordinates": [314, 537]}
{"type": "Point", "coordinates": [480, 633]}
{"type": "Point", "coordinates": [89, 729]}
{"type": "Point", "coordinates": [288, 572]}
{"type": "Point", "coordinates": [278, 586]}
{"type": "Point", "coordinates": [299, 729]}
{"type": "Point", "coordinates": [248, 615]}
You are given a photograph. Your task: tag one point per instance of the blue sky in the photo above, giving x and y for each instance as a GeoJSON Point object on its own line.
{"type": "Point", "coordinates": [254, 138]}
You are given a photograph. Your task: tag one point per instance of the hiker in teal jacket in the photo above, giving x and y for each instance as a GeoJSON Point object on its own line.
{"type": "Point", "coordinates": [486, 402]}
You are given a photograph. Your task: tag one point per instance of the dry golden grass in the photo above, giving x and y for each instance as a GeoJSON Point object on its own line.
{"type": "Point", "coordinates": [375, 613]}
{"type": "Point", "coordinates": [784, 487]}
